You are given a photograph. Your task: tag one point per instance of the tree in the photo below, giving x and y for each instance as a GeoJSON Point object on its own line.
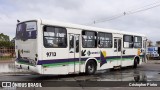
{"type": "Point", "coordinates": [4, 37]}
{"type": "Point", "coordinates": [5, 41]}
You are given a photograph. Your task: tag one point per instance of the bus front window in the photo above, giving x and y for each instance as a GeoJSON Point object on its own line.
{"type": "Point", "coordinates": [26, 30]}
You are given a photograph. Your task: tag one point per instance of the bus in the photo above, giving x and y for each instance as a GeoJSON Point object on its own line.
{"type": "Point", "coordinates": [51, 47]}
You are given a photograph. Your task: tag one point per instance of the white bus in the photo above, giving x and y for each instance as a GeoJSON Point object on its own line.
{"type": "Point", "coordinates": [49, 47]}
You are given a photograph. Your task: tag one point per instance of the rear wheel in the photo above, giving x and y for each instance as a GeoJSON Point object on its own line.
{"type": "Point", "coordinates": [90, 67]}
{"type": "Point", "coordinates": [135, 63]}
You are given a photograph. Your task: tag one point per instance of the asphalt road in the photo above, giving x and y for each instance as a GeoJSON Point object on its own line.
{"type": "Point", "coordinates": [145, 72]}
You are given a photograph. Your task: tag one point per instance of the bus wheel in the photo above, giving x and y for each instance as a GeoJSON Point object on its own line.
{"type": "Point", "coordinates": [135, 63]}
{"type": "Point", "coordinates": [90, 67]}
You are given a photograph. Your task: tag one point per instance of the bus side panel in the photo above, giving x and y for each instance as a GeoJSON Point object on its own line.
{"type": "Point", "coordinates": [53, 60]}
{"type": "Point", "coordinates": [109, 62]}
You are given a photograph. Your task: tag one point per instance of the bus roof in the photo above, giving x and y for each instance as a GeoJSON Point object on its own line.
{"type": "Point", "coordinates": [84, 27]}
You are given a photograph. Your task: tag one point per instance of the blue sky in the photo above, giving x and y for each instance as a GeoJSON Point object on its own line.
{"type": "Point", "coordinates": [83, 12]}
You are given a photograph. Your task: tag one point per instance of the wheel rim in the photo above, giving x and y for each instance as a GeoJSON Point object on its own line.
{"type": "Point", "coordinates": [90, 68]}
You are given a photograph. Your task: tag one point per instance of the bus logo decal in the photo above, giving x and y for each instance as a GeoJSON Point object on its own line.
{"type": "Point", "coordinates": [83, 52]}
{"type": "Point", "coordinates": [89, 53]}
{"type": "Point", "coordinates": [25, 51]}
{"type": "Point", "coordinates": [103, 58]}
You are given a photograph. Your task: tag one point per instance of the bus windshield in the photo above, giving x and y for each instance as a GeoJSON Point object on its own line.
{"type": "Point", "coordinates": [26, 30]}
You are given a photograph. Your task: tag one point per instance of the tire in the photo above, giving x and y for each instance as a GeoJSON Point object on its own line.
{"type": "Point", "coordinates": [137, 78]}
{"type": "Point", "coordinates": [135, 63]}
{"type": "Point", "coordinates": [91, 67]}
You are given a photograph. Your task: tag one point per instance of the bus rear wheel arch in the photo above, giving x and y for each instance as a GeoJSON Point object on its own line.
{"type": "Point", "coordinates": [91, 67]}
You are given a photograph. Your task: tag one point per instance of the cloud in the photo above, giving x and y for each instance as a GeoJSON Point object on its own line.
{"type": "Point", "coordinates": [82, 12]}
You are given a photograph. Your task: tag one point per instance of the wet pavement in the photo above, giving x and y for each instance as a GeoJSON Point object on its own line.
{"type": "Point", "coordinates": [145, 72]}
{"type": "Point", "coordinates": [9, 68]}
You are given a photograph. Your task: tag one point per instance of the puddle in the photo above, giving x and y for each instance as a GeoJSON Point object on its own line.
{"type": "Point", "coordinates": [6, 67]}
{"type": "Point", "coordinates": [123, 75]}
{"type": "Point", "coordinates": [9, 68]}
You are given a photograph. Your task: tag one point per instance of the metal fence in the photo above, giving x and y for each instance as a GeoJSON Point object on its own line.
{"type": "Point", "coordinates": [7, 53]}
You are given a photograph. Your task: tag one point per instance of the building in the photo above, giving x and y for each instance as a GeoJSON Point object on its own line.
{"type": "Point", "coordinates": [158, 43]}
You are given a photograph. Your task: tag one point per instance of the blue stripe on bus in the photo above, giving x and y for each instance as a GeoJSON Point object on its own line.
{"type": "Point", "coordinates": [40, 62]}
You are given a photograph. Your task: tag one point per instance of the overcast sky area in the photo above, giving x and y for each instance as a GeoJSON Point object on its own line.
{"type": "Point", "coordinates": [83, 12]}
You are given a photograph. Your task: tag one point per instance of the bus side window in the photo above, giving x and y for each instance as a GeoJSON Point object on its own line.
{"type": "Point", "coordinates": [128, 41]}
{"type": "Point", "coordinates": [89, 39]}
{"type": "Point", "coordinates": [56, 37]}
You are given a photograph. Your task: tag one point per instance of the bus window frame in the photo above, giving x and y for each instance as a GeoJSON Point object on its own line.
{"type": "Point", "coordinates": [138, 42]}
{"type": "Point", "coordinates": [132, 41]}
{"type": "Point", "coordinates": [110, 40]}
{"type": "Point", "coordinates": [56, 27]}
{"type": "Point", "coordinates": [92, 39]}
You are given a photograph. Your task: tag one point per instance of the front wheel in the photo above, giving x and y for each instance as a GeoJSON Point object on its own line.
{"type": "Point", "coordinates": [91, 67]}
{"type": "Point", "coordinates": [135, 63]}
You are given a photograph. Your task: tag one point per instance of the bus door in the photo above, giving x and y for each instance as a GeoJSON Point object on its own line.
{"type": "Point", "coordinates": [118, 50]}
{"type": "Point", "coordinates": [74, 53]}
